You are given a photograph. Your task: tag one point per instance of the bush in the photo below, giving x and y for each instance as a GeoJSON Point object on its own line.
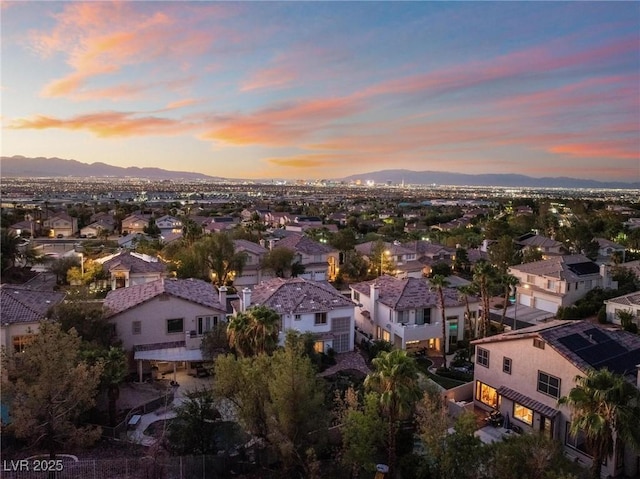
{"type": "Point", "coordinates": [602, 315]}
{"type": "Point", "coordinates": [452, 374]}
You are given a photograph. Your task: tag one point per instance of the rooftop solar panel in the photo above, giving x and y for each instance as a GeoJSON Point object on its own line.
{"type": "Point", "coordinates": [597, 335]}
{"type": "Point", "coordinates": [623, 364]}
{"type": "Point", "coordinates": [584, 268]}
{"type": "Point", "coordinates": [574, 342]}
{"type": "Point", "coordinates": [597, 354]}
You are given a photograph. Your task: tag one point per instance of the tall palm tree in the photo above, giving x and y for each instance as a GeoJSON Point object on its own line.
{"type": "Point", "coordinates": [395, 379]}
{"type": "Point", "coordinates": [604, 405]}
{"type": "Point", "coordinates": [263, 329]}
{"type": "Point", "coordinates": [464, 292]}
{"type": "Point", "coordinates": [238, 334]}
{"type": "Point", "coordinates": [508, 281]}
{"type": "Point", "coordinates": [439, 282]}
{"type": "Point", "coordinates": [9, 243]}
{"type": "Point", "coordinates": [483, 274]}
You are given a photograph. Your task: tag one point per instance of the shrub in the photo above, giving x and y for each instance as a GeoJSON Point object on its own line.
{"type": "Point", "coordinates": [602, 315]}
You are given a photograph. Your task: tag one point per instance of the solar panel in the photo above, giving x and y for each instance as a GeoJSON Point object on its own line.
{"type": "Point", "coordinates": [624, 363]}
{"type": "Point", "coordinates": [597, 354]}
{"type": "Point", "coordinates": [584, 268]}
{"type": "Point", "coordinates": [574, 342]}
{"type": "Point", "coordinates": [597, 335]}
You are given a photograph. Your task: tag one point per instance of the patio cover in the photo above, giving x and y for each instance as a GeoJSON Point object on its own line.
{"type": "Point", "coordinates": [169, 354]}
{"type": "Point", "coordinates": [526, 401]}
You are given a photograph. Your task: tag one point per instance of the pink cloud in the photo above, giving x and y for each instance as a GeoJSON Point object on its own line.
{"type": "Point", "coordinates": [619, 150]}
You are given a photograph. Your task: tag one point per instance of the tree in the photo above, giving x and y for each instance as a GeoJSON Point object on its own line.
{"type": "Point", "coordinates": [483, 275]}
{"type": "Point", "coordinates": [238, 334]}
{"type": "Point", "coordinates": [9, 250]}
{"type": "Point", "coordinates": [217, 253]}
{"type": "Point", "coordinates": [115, 369]}
{"type": "Point", "coordinates": [263, 330]}
{"type": "Point", "coordinates": [193, 429]}
{"type": "Point", "coordinates": [438, 283]}
{"type": "Point", "coordinates": [461, 262]}
{"type": "Point", "coordinates": [530, 255]}
{"type": "Point", "coordinates": [60, 267]}
{"type": "Point", "coordinates": [395, 379]}
{"type": "Point", "coordinates": [280, 261]}
{"type": "Point", "coordinates": [344, 240]}
{"type": "Point", "coordinates": [214, 342]}
{"type": "Point", "coordinates": [87, 319]}
{"type": "Point", "coordinates": [53, 388]}
{"type": "Point", "coordinates": [355, 266]}
{"type": "Point", "coordinates": [152, 229]}
{"type": "Point", "coordinates": [627, 321]}
{"type": "Point", "coordinates": [440, 269]}
{"type": "Point", "coordinates": [380, 259]}
{"type": "Point", "coordinates": [604, 405]}
{"type": "Point", "coordinates": [508, 282]}
{"type": "Point", "coordinates": [464, 292]}
{"type": "Point", "coordinates": [503, 254]}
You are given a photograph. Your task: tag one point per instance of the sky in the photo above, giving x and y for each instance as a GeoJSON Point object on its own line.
{"type": "Point", "coordinates": [311, 90]}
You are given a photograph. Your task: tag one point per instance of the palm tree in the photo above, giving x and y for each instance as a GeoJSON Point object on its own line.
{"type": "Point", "coordinates": [263, 329]}
{"type": "Point", "coordinates": [604, 406]}
{"type": "Point", "coordinates": [114, 372]}
{"type": "Point", "coordinates": [238, 334]}
{"type": "Point", "coordinates": [395, 379]}
{"type": "Point", "coordinates": [438, 282]}
{"type": "Point", "coordinates": [483, 274]}
{"type": "Point", "coordinates": [508, 281]}
{"type": "Point", "coordinates": [9, 243]}
{"type": "Point", "coordinates": [466, 291]}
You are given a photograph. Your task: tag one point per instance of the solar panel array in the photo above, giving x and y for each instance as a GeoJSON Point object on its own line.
{"type": "Point", "coordinates": [598, 350]}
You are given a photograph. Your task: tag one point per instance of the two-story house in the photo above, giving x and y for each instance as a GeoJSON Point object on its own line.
{"type": "Point", "coordinates": [547, 246]}
{"type": "Point", "coordinates": [61, 224]}
{"type": "Point", "coordinates": [169, 224]}
{"type": "Point", "coordinates": [629, 303]}
{"type": "Point", "coordinates": [252, 273]}
{"type": "Point", "coordinates": [407, 313]}
{"type": "Point", "coordinates": [128, 269]}
{"type": "Point", "coordinates": [163, 321]}
{"type": "Point", "coordinates": [404, 258]}
{"type": "Point", "coordinates": [559, 281]}
{"type": "Point", "coordinates": [134, 224]}
{"type": "Point", "coordinates": [523, 374]}
{"type": "Point", "coordinates": [320, 261]}
{"type": "Point", "coordinates": [306, 306]}
{"type": "Point", "coordinates": [21, 310]}
{"type": "Point", "coordinates": [607, 249]}
{"type": "Point", "coordinates": [429, 253]}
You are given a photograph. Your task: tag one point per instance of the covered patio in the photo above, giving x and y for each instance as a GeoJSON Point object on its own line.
{"type": "Point", "coordinates": [173, 355]}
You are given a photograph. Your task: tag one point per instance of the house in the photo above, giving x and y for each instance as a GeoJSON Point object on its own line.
{"type": "Point", "coordinates": [128, 269]}
{"type": "Point", "coordinates": [404, 258]}
{"type": "Point", "coordinates": [252, 273]}
{"type": "Point", "coordinates": [559, 281]}
{"type": "Point", "coordinates": [547, 246]}
{"type": "Point", "coordinates": [134, 224]}
{"type": "Point", "coordinates": [21, 310]}
{"type": "Point", "coordinates": [523, 373]}
{"type": "Point", "coordinates": [607, 249]}
{"type": "Point", "coordinates": [25, 228]}
{"type": "Point", "coordinates": [406, 312]}
{"type": "Point", "coordinates": [61, 224]}
{"type": "Point", "coordinates": [429, 253]}
{"type": "Point", "coordinates": [96, 228]}
{"type": "Point", "coordinates": [306, 306]}
{"type": "Point", "coordinates": [169, 224]}
{"type": "Point", "coordinates": [131, 240]}
{"type": "Point", "coordinates": [629, 303]}
{"type": "Point", "coordinates": [319, 260]}
{"type": "Point", "coordinates": [162, 322]}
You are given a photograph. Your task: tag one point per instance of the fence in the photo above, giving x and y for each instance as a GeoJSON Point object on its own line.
{"type": "Point", "coordinates": [172, 467]}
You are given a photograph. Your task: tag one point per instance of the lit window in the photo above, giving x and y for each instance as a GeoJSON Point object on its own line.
{"type": "Point", "coordinates": [318, 347]}
{"type": "Point", "coordinates": [175, 325]}
{"type": "Point", "coordinates": [506, 365]}
{"type": "Point", "coordinates": [482, 357]}
{"type": "Point", "coordinates": [486, 394]}
{"type": "Point", "coordinates": [321, 318]}
{"type": "Point", "coordinates": [523, 413]}
{"type": "Point", "coordinates": [548, 384]}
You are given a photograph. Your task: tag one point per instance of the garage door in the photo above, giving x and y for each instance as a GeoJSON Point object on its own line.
{"type": "Point", "coordinates": [546, 305]}
{"type": "Point", "coordinates": [525, 300]}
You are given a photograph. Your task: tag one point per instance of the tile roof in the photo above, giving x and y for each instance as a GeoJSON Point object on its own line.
{"type": "Point", "coordinates": [298, 295]}
{"type": "Point", "coordinates": [20, 304]}
{"type": "Point", "coordinates": [393, 248]}
{"type": "Point", "coordinates": [568, 267]}
{"type": "Point", "coordinates": [409, 293]}
{"type": "Point", "coordinates": [631, 299]}
{"type": "Point", "coordinates": [537, 241]}
{"type": "Point", "coordinates": [193, 290]}
{"type": "Point", "coordinates": [304, 245]}
{"type": "Point", "coordinates": [133, 263]}
{"type": "Point", "coordinates": [249, 246]}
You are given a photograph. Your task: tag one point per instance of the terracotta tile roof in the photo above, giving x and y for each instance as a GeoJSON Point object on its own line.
{"type": "Point", "coordinates": [298, 295]}
{"type": "Point", "coordinates": [409, 293]}
{"type": "Point", "coordinates": [193, 290]}
{"type": "Point", "coordinates": [20, 304]}
{"type": "Point", "coordinates": [249, 246]}
{"type": "Point", "coordinates": [632, 299]}
{"type": "Point", "coordinates": [304, 245]}
{"type": "Point", "coordinates": [560, 267]}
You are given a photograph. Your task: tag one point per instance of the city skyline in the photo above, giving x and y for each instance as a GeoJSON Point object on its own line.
{"type": "Point", "coordinates": [326, 90]}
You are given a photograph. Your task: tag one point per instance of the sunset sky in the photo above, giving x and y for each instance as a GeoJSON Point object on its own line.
{"type": "Point", "coordinates": [325, 90]}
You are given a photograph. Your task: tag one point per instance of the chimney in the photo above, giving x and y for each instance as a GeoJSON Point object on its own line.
{"type": "Point", "coordinates": [375, 294]}
{"type": "Point", "coordinates": [271, 243]}
{"type": "Point", "coordinates": [374, 291]}
{"type": "Point", "coordinates": [262, 243]}
{"type": "Point", "coordinates": [222, 296]}
{"type": "Point", "coordinates": [246, 299]}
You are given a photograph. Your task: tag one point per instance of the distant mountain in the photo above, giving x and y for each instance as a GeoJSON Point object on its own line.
{"type": "Point", "coordinates": [505, 180]}
{"type": "Point", "coordinates": [19, 166]}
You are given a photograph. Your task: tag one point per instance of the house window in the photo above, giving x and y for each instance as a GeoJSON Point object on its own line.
{"type": "Point", "coordinates": [403, 317]}
{"type": "Point", "coordinates": [538, 343]}
{"type": "Point", "coordinates": [206, 323]}
{"type": "Point", "coordinates": [297, 317]}
{"type": "Point", "coordinates": [548, 384]}
{"type": "Point", "coordinates": [175, 325]}
{"type": "Point", "coordinates": [321, 318]}
{"type": "Point", "coordinates": [423, 316]}
{"type": "Point", "coordinates": [523, 413]}
{"type": "Point", "coordinates": [318, 347]}
{"type": "Point", "coordinates": [551, 284]}
{"type": "Point", "coordinates": [531, 279]}
{"type": "Point", "coordinates": [136, 327]}
{"type": "Point", "coordinates": [577, 442]}
{"type": "Point", "coordinates": [453, 331]}
{"type": "Point", "coordinates": [356, 296]}
{"type": "Point", "coordinates": [486, 394]}
{"type": "Point", "coordinates": [20, 342]}
{"type": "Point", "coordinates": [482, 357]}
{"type": "Point", "coordinates": [506, 365]}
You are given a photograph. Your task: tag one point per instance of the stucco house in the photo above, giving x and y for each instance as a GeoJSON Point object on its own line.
{"type": "Point", "coordinates": [559, 281]}
{"type": "Point", "coordinates": [306, 306]}
{"type": "Point", "coordinates": [169, 224]}
{"type": "Point", "coordinates": [21, 310]}
{"type": "Point", "coordinates": [629, 303]}
{"type": "Point", "coordinates": [61, 224]}
{"type": "Point", "coordinates": [134, 224]}
{"type": "Point", "coordinates": [404, 258]}
{"type": "Point", "coordinates": [547, 246]}
{"type": "Point", "coordinates": [163, 321]}
{"type": "Point", "coordinates": [606, 250]}
{"type": "Point", "coordinates": [406, 312]}
{"type": "Point", "coordinates": [128, 269]}
{"type": "Point", "coordinates": [252, 273]}
{"type": "Point", "coordinates": [523, 373]}
{"type": "Point", "coordinates": [319, 260]}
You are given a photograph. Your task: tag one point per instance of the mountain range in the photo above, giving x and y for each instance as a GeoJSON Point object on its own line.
{"type": "Point", "coordinates": [20, 166]}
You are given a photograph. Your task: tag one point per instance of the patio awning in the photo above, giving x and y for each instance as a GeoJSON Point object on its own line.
{"type": "Point", "coordinates": [169, 354]}
{"type": "Point", "coordinates": [526, 401]}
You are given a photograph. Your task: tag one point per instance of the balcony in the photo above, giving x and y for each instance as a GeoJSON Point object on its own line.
{"type": "Point", "coordinates": [192, 340]}
{"type": "Point", "coordinates": [415, 332]}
